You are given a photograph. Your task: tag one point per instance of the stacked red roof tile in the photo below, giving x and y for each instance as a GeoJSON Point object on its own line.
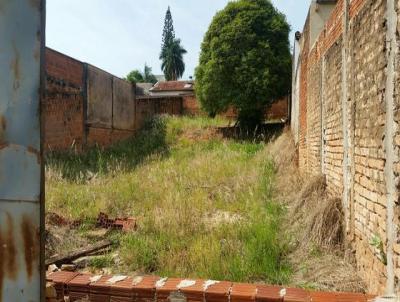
{"type": "Point", "coordinates": [124, 224]}
{"type": "Point", "coordinates": [154, 289]}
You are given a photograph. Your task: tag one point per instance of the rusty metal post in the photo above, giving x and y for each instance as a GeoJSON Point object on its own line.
{"type": "Point", "coordinates": [22, 24]}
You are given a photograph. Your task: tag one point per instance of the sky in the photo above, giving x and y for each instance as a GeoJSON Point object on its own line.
{"type": "Point", "coordinates": [121, 35]}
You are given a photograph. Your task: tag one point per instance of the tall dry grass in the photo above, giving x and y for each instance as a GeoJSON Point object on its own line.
{"type": "Point", "coordinates": [314, 222]}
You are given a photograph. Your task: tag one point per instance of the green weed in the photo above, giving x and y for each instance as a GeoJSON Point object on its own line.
{"type": "Point", "coordinates": [204, 206]}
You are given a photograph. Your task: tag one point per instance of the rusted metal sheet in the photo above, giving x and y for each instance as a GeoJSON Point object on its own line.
{"type": "Point", "coordinates": [99, 97]}
{"type": "Point", "coordinates": [123, 105]}
{"type": "Point", "coordinates": [21, 48]}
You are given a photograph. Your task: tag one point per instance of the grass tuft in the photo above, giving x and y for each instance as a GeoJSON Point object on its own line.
{"type": "Point", "coordinates": [204, 204]}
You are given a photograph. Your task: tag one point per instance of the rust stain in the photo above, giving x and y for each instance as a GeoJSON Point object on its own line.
{"type": "Point", "coordinates": [3, 145]}
{"type": "Point", "coordinates": [3, 126]}
{"type": "Point", "coordinates": [3, 123]}
{"type": "Point", "coordinates": [10, 250]}
{"type": "Point", "coordinates": [32, 150]}
{"type": "Point", "coordinates": [16, 68]}
{"type": "Point", "coordinates": [29, 234]}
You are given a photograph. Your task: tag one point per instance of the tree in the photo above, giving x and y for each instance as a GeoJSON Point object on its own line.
{"type": "Point", "coordinates": [168, 32]}
{"type": "Point", "coordinates": [136, 76]}
{"type": "Point", "coordinates": [245, 60]}
{"type": "Point", "coordinates": [172, 64]}
{"type": "Point", "coordinates": [172, 52]}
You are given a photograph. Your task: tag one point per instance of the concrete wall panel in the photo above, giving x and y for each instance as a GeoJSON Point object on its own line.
{"type": "Point", "coordinates": [99, 98]}
{"type": "Point", "coordinates": [123, 105]}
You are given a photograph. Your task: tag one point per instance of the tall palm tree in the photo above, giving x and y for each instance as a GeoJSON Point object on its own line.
{"type": "Point", "coordinates": [172, 62]}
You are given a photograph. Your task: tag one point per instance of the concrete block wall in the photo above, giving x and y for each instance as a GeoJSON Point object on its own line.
{"type": "Point", "coordinates": [348, 127]}
{"type": "Point", "coordinates": [111, 108]}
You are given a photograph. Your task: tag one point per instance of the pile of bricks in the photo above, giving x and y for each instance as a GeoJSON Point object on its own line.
{"type": "Point", "coordinates": [124, 224]}
{"type": "Point", "coordinates": [87, 287]}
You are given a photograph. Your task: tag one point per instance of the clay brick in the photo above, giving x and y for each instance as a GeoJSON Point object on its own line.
{"type": "Point", "coordinates": [218, 292]}
{"type": "Point", "coordinates": [323, 297]}
{"type": "Point", "coordinates": [78, 287]}
{"type": "Point", "coordinates": [242, 292]}
{"type": "Point", "coordinates": [122, 290]}
{"type": "Point", "coordinates": [100, 290]}
{"type": "Point", "coordinates": [266, 293]}
{"type": "Point", "coordinates": [144, 288]}
{"type": "Point", "coordinates": [296, 295]}
{"type": "Point", "coordinates": [60, 280]}
{"type": "Point", "coordinates": [165, 290]}
{"type": "Point", "coordinates": [350, 297]}
{"type": "Point", "coordinates": [193, 293]}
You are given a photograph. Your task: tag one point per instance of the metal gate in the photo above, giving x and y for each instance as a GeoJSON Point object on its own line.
{"type": "Point", "coordinates": [21, 186]}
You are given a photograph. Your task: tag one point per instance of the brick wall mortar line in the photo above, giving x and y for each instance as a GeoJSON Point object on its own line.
{"type": "Point", "coordinates": [351, 231]}
{"type": "Point", "coordinates": [344, 98]}
{"type": "Point", "coordinates": [323, 137]}
{"type": "Point", "coordinates": [389, 139]}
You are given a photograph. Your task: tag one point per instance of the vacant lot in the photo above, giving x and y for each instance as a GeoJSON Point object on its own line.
{"type": "Point", "coordinates": [203, 203]}
{"type": "Point", "coordinates": [206, 206]}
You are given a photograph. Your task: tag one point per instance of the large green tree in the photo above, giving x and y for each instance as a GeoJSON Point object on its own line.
{"type": "Point", "coordinates": [245, 60]}
{"type": "Point", "coordinates": [137, 76]}
{"type": "Point", "coordinates": [172, 52]}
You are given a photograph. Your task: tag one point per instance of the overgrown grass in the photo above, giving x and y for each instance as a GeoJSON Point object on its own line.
{"type": "Point", "coordinates": [203, 203]}
{"type": "Point", "coordinates": [123, 156]}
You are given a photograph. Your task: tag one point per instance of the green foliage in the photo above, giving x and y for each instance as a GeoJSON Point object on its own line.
{"type": "Point", "coordinates": [245, 60]}
{"type": "Point", "coordinates": [148, 75]}
{"type": "Point", "coordinates": [377, 243]}
{"type": "Point", "coordinates": [136, 76]}
{"type": "Point", "coordinates": [169, 31]}
{"type": "Point", "coordinates": [172, 52]}
{"type": "Point", "coordinates": [101, 262]}
{"type": "Point", "coordinates": [125, 155]}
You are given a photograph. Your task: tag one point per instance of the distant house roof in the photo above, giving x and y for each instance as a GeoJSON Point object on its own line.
{"type": "Point", "coordinates": [173, 86]}
{"type": "Point", "coordinates": [143, 88]}
{"type": "Point", "coordinates": [326, 1]}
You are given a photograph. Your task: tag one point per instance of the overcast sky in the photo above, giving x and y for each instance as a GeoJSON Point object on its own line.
{"type": "Point", "coordinates": [121, 35]}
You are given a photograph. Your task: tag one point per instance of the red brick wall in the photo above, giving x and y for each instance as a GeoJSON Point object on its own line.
{"type": "Point", "coordinates": [191, 106]}
{"type": "Point", "coordinates": [355, 7]}
{"type": "Point", "coordinates": [146, 107]}
{"type": "Point", "coordinates": [106, 137]}
{"type": "Point", "coordinates": [277, 111]}
{"type": "Point", "coordinates": [62, 107]}
{"type": "Point", "coordinates": [169, 105]}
